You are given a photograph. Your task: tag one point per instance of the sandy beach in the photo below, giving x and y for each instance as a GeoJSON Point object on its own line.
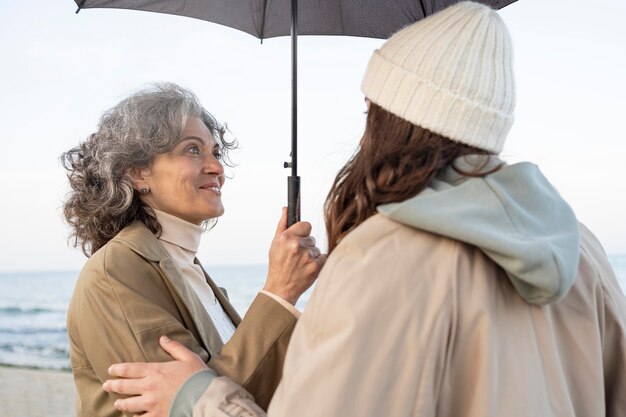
{"type": "Point", "coordinates": [36, 393]}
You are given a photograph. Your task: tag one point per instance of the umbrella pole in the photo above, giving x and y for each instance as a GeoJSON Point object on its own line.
{"type": "Point", "coordinates": [293, 181]}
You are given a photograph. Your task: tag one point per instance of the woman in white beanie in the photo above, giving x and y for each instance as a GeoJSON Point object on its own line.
{"type": "Point", "coordinates": [456, 285]}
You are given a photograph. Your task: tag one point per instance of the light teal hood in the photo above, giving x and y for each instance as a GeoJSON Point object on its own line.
{"type": "Point", "coordinates": [514, 216]}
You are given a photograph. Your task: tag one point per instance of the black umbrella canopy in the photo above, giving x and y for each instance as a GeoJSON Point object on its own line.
{"type": "Point", "coordinates": [271, 18]}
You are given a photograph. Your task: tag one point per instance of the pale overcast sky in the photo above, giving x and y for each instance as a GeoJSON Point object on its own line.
{"type": "Point", "coordinates": [59, 72]}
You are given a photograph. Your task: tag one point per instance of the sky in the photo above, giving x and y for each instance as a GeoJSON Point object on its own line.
{"type": "Point", "coordinates": [60, 71]}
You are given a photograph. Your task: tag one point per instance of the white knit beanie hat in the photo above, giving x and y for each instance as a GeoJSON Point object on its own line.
{"type": "Point", "coordinates": [450, 73]}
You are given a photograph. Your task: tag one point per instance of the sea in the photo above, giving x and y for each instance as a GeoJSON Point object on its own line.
{"type": "Point", "coordinates": [33, 309]}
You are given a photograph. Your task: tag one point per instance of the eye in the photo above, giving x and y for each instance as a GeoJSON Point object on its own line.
{"type": "Point", "coordinates": [193, 149]}
{"type": "Point", "coordinates": [218, 154]}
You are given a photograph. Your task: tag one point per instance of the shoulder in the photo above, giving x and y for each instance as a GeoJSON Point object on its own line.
{"type": "Point", "coordinates": [380, 240]}
{"type": "Point", "coordinates": [392, 259]}
{"type": "Point", "coordinates": [594, 268]}
{"type": "Point", "coordinates": [137, 237]}
{"type": "Point", "coordinates": [389, 259]}
{"type": "Point", "coordinates": [133, 246]}
{"type": "Point", "coordinates": [594, 264]}
{"type": "Point", "coordinates": [592, 252]}
{"type": "Point", "coordinates": [114, 271]}
{"type": "Point", "coordinates": [119, 260]}
{"type": "Point", "coordinates": [115, 252]}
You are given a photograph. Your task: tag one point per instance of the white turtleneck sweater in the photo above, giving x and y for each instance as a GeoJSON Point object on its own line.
{"type": "Point", "coordinates": [181, 240]}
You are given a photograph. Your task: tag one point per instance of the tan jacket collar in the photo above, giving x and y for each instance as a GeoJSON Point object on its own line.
{"type": "Point", "coordinates": [142, 241]}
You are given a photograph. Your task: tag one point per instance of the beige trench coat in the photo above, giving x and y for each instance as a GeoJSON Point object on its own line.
{"type": "Point", "coordinates": [407, 323]}
{"type": "Point", "coordinates": [130, 293]}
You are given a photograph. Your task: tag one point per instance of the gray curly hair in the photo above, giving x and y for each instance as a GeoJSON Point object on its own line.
{"type": "Point", "coordinates": [148, 123]}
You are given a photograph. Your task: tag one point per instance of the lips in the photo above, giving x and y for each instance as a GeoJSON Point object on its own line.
{"type": "Point", "coordinates": [211, 187]}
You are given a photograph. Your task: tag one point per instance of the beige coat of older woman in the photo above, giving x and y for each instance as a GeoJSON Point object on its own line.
{"type": "Point", "coordinates": [131, 292]}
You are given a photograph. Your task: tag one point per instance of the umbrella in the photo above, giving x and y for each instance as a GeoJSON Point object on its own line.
{"type": "Point", "coordinates": [271, 18]}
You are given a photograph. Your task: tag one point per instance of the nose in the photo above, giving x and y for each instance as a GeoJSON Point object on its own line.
{"type": "Point", "coordinates": [213, 166]}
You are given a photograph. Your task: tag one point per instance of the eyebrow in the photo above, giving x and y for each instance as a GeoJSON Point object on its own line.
{"type": "Point", "coordinates": [196, 138]}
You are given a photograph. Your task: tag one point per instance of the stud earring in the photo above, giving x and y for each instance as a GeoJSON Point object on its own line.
{"type": "Point", "coordinates": [143, 190]}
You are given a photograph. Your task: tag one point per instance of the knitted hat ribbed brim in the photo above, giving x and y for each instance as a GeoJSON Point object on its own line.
{"type": "Point", "coordinates": [450, 73]}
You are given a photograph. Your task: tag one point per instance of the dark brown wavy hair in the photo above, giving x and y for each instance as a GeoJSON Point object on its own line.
{"type": "Point", "coordinates": [102, 200]}
{"type": "Point", "coordinates": [395, 161]}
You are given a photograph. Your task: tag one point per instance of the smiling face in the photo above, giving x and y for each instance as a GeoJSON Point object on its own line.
{"type": "Point", "coordinates": [186, 181]}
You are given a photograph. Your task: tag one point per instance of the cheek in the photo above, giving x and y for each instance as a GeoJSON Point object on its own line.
{"type": "Point", "coordinates": [177, 181]}
{"type": "Point", "coordinates": [187, 182]}
{"type": "Point", "coordinates": [172, 184]}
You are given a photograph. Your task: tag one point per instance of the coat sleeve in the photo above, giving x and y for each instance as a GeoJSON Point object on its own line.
{"type": "Point", "coordinates": [220, 397]}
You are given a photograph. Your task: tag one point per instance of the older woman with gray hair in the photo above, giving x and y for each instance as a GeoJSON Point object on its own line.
{"type": "Point", "coordinates": [145, 187]}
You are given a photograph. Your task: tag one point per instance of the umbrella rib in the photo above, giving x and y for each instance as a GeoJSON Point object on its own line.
{"type": "Point", "coordinates": [341, 21]}
{"type": "Point", "coordinates": [80, 6]}
{"type": "Point", "coordinates": [423, 9]}
{"type": "Point", "coordinates": [263, 20]}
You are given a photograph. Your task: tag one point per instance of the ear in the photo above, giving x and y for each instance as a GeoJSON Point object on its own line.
{"type": "Point", "coordinates": [139, 177]}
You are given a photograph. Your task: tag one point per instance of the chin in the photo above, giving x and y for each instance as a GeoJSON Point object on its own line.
{"type": "Point", "coordinates": [214, 214]}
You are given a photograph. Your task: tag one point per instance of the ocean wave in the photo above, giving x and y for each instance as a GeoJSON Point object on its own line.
{"type": "Point", "coordinates": [58, 351]}
{"type": "Point", "coordinates": [34, 360]}
{"type": "Point", "coordinates": [12, 310]}
{"type": "Point", "coordinates": [32, 330]}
